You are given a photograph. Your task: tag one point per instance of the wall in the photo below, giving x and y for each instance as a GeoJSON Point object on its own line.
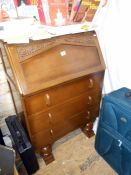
{"type": "Point", "coordinates": [6, 104]}
{"type": "Point", "coordinates": [112, 24]}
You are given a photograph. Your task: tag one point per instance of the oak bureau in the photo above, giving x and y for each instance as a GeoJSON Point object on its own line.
{"type": "Point", "coordinates": [59, 83]}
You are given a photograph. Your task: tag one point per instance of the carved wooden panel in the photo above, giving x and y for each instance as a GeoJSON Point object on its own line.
{"type": "Point", "coordinates": [78, 39]}
{"type": "Point", "coordinates": [26, 51]}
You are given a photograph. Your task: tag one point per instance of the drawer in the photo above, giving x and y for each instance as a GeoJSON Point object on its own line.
{"type": "Point", "coordinates": [41, 138]}
{"type": "Point", "coordinates": [77, 121]}
{"type": "Point", "coordinates": [39, 122]}
{"type": "Point", "coordinates": [84, 117]}
{"type": "Point", "coordinates": [44, 100]}
{"type": "Point", "coordinates": [73, 107]}
{"type": "Point", "coordinates": [64, 112]}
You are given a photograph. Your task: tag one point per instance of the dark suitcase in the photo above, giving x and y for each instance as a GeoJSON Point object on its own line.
{"type": "Point", "coordinates": [22, 144]}
{"type": "Point", "coordinates": [7, 160]}
{"type": "Point", "coordinates": [113, 138]}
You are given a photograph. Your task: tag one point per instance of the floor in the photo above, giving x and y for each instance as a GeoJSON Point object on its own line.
{"type": "Point", "coordinates": [75, 155]}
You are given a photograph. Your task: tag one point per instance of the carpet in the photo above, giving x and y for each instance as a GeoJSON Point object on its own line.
{"type": "Point", "coordinates": [75, 155]}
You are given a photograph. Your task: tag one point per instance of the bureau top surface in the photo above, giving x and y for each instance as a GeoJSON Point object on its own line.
{"type": "Point", "coordinates": [40, 65]}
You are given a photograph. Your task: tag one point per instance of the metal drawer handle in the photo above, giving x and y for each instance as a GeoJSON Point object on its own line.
{"type": "Point", "coordinates": [50, 115]}
{"type": "Point", "coordinates": [91, 83]}
{"type": "Point", "coordinates": [47, 100]}
{"type": "Point", "coordinates": [89, 99]}
{"type": "Point", "coordinates": [51, 131]}
{"type": "Point", "coordinates": [88, 115]}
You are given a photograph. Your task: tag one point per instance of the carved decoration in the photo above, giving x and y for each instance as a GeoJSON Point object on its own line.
{"type": "Point", "coordinates": [26, 51]}
{"type": "Point", "coordinates": [78, 39]}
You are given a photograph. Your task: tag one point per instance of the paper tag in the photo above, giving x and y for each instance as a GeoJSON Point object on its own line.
{"type": "Point", "coordinates": [63, 53]}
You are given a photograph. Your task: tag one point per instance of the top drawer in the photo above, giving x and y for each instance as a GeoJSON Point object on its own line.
{"type": "Point", "coordinates": [42, 101]}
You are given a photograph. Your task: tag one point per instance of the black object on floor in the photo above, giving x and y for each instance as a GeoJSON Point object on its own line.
{"type": "Point", "coordinates": [1, 138]}
{"type": "Point", "coordinates": [22, 144]}
{"type": "Point", "coordinates": [113, 138]}
{"type": "Point", "coordinates": [7, 160]}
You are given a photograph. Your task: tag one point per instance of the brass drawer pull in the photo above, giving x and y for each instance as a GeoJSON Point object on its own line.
{"type": "Point", "coordinates": [47, 100]}
{"type": "Point", "coordinates": [50, 116]}
{"type": "Point", "coordinates": [88, 115]}
{"type": "Point", "coordinates": [91, 83]}
{"type": "Point", "coordinates": [89, 100]}
{"type": "Point", "coordinates": [51, 131]}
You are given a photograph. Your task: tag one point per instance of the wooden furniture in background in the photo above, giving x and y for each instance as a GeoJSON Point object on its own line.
{"type": "Point", "coordinates": [59, 83]}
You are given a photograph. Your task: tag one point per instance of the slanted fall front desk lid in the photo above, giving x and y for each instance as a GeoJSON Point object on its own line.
{"type": "Point", "coordinates": [45, 63]}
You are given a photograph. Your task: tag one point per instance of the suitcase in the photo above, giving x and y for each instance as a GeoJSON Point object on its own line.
{"type": "Point", "coordinates": [7, 160]}
{"type": "Point", "coordinates": [113, 137]}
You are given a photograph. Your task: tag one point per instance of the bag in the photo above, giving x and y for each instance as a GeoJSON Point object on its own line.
{"type": "Point", "coordinates": [113, 138]}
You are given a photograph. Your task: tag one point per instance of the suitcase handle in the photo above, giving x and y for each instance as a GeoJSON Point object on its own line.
{"type": "Point", "coordinates": [128, 94]}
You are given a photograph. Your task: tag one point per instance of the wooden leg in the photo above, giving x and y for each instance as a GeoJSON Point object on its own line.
{"type": "Point", "coordinates": [88, 130]}
{"type": "Point", "coordinates": [46, 153]}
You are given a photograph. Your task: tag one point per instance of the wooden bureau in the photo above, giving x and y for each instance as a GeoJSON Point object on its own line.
{"type": "Point", "coordinates": [59, 84]}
